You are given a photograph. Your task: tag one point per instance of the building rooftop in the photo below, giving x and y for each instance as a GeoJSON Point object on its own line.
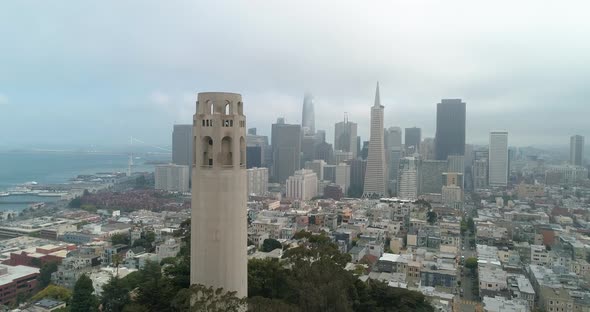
{"type": "Point", "coordinates": [10, 273]}
{"type": "Point", "coordinates": [500, 304]}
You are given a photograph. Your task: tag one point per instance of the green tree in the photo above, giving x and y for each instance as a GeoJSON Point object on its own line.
{"type": "Point", "coordinates": [54, 292]}
{"type": "Point", "coordinates": [45, 273]}
{"type": "Point", "coordinates": [155, 291]}
{"type": "Point", "coordinates": [471, 263]}
{"type": "Point", "coordinates": [118, 238]}
{"type": "Point", "coordinates": [261, 304]}
{"type": "Point", "coordinates": [83, 299]}
{"type": "Point", "coordinates": [114, 295]}
{"type": "Point", "coordinates": [199, 298]}
{"type": "Point", "coordinates": [431, 217]}
{"type": "Point", "coordinates": [270, 244]}
{"type": "Point", "coordinates": [75, 202]}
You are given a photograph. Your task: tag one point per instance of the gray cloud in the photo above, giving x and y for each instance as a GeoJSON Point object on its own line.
{"type": "Point", "coordinates": [137, 68]}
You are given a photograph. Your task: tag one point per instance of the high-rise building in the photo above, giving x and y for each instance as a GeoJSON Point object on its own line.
{"type": "Point", "coordinates": [393, 138]}
{"type": "Point", "coordinates": [358, 167]}
{"type": "Point", "coordinates": [431, 172]}
{"type": "Point", "coordinates": [341, 156]}
{"type": "Point", "coordinates": [253, 156]}
{"type": "Point", "coordinates": [172, 178]}
{"type": "Point", "coordinates": [452, 190]}
{"type": "Point", "coordinates": [324, 152]}
{"type": "Point", "coordinates": [286, 150]}
{"type": "Point", "coordinates": [345, 136]}
{"type": "Point", "coordinates": [316, 166]}
{"type": "Point", "coordinates": [308, 144]}
{"type": "Point", "coordinates": [393, 147]}
{"type": "Point", "coordinates": [219, 194]}
{"type": "Point", "coordinates": [480, 173]}
{"type": "Point", "coordinates": [427, 149]}
{"type": "Point", "coordinates": [343, 176]}
{"type": "Point", "coordinates": [308, 116]}
{"type": "Point", "coordinates": [330, 173]}
{"type": "Point", "coordinates": [182, 145]}
{"type": "Point", "coordinates": [456, 163]}
{"type": "Point", "coordinates": [376, 175]}
{"type": "Point", "coordinates": [413, 138]}
{"type": "Point", "coordinates": [498, 159]}
{"type": "Point", "coordinates": [257, 181]}
{"type": "Point", "coordinates": [393, 167]}
{"type": "Point", "coordinates": [408, 180]}
{"type": "Point", "coordinates": [577, 150]}
{"type": "Point", "coordinates": [450, 128]}
{"type": "Point", "coordinates": [261, 141]}
{"type": "Point", "coordinates": [303, 185]}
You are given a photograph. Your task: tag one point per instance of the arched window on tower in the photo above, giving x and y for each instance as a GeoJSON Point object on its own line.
{"type": "Point", "coordinates": [242, 152]}
{"type": "Point", "coordinates": [226, 152]}
{"type": "Point", "coordinates": [227, 108]}
{"type": "Point", "coordinates": [211, 107]}
{"type": "Point", "coordinates": [207, 150]}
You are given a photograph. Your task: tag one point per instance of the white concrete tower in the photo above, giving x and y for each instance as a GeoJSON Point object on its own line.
{"type": "Point", "coordinates": [376, 174]}
{"type": "Point", "coordinates": [219, 187]}
{"type": "Point", "coordinates": [498, 158]}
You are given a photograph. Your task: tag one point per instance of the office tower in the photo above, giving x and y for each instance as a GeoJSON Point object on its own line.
{"type": "Point", "coordinates": [320, 136]}
{"type": "Point", "coordinates": [450, 128]}
{"type": "Point", "coordinates": [431, 172]}
{"type": "Point", "coordinates": [330, 173]}
{"type": "Point", "coordinates": [316, 166]}
{"type": "Point", "coordinates": [468, 155]}
{"type": "Point", "coordinates": [393, 139]}
{"type": "Point", "coordinates": [308, 116]}
{"type": "Point", "coordinates": [427, 149]}
{"type": "Point", "coordinates": [172, 178]}
{"type": "Point", "coordinates": [358, 146]}
{"type": "Point", "coordinates": [456, 163]}
{"type": "Point", "coordinates": [261, 141]}
{"type": "Point", "coordinates": [452, 190]}
{"type": "Point", "coordinates": [358, 168]}
{"type": "Point", "coordinates": [568, 174]}
{"type": "Point", "coordinates": [498, 159]}
{"type": "Point", "coordinates": [408, 178]}
{"type": "Point", "coordinates": [308, 144]}
{"type": "Point", "coordinates": [413, 138]}
{"type": "Point", "coordinates": [394, 157]}
{"type": "Point", "coordinates": [480, 173]}
{"type": "Point", "coordinates": [303, 185]}
{"type": "Point", "coordinates": [393, 151]}
{"type": "Point", "coordinates": [182, 145]}
{"type": "Point", "coordinates": [286, 150]}
{"type": "Point", "coordinates": [324, 152]}
{"type": "Point", "coordinates": [576, 150]}
{"type": "Point", "coordinates": [365, 150]}
{"type": "Point", "coordinates": [376, 176]}
{"type": "Point", "coordinates": [219, 194]}
{"type": "Point", "coordinates": [253, 156]}
{"type": "Point", "coordinates": [341, 156]}
{"type": "Point", "coordinates": [345, 137]}
{"type": "Point", "coordinates": [257, 181]}
{"type": "Point", "coordinates": [343, 176]}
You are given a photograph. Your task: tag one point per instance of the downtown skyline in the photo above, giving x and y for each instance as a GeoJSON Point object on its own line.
{"type": "Point", "coordinates": [96, 78]}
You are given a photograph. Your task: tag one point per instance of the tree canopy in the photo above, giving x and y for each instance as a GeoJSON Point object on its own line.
{"type": "Point", "coordinates": [270, 244]}
{"type": "Point", "coordinates": [83, 299]}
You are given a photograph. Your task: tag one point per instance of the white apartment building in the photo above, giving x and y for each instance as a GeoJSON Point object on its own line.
{"type": "Point", "coordinates": [257, 181]}
{"type": "Point", "coordinates": [303, 185]}
{"type": "Point", "coordinates": [172, 178]}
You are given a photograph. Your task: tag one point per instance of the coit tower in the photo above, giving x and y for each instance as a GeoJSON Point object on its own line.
{"type": "Point", "coordinates": [219, 182]}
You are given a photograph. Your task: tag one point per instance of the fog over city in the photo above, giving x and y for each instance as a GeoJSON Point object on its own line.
{"type": "Point", "coordinates": [96, 73]}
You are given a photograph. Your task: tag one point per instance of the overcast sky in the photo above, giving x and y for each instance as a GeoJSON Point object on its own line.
{"type": "Point", "coordinates": [97, 72]}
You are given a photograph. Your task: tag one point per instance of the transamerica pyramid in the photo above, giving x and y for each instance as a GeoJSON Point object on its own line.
{"type": "Point", "coordinates": [375, 176]}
